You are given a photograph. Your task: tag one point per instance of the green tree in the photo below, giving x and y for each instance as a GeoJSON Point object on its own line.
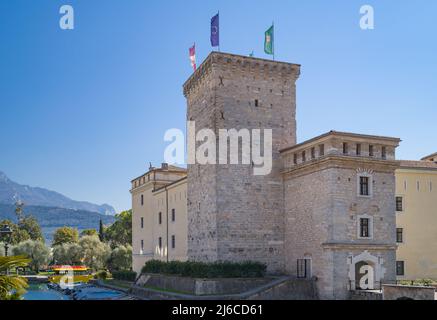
{"type": "Point", "coordinates": [121, 258]}
{"type": "Point", "coordinates": [35, 250]}
{"type": "Point", "coordinates": [88, 232]}
{"type": "Point", "coordinates": [32, 227]}
{"type": "Point", "coordinates": [95, 252]}
{"type": "Point", "coordinates": [18, 235]}
{"type": "Point", "coordinates": [120, 232]}
{"type": "Point", "coordinates": [65, 235]}
{"type": "Point", "coordinates": [68, 254]}
{"type": "Point", "coordinates": [12, 286]}
{"type": "Point", "coordinates": [101, 230]}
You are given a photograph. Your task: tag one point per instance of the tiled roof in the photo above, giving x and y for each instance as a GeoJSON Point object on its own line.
{"type": "Point", "coordinates": [430, 156]}
{"type": "Point", "coordinates": [418, 164]}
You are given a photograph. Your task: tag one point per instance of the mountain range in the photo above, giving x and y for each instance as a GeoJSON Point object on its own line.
{"type": "Point", "coordinates": [51, 209]}
{"type": "Point", "coordinates": [11, 192]}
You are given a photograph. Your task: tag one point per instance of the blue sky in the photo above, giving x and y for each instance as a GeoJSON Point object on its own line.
{"type": "Point", "coordinates": [83, 111]}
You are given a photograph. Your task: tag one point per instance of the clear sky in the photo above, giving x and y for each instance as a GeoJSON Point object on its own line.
{"type": "Point", "coordinates": [83, 111]}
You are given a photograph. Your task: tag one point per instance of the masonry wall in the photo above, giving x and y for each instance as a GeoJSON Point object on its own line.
{"type": "Point", "coordinates": [233, 214]}
{"type": "Point", "coordinates": [322, 211]}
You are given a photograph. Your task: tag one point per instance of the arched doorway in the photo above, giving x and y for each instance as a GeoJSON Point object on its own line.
{"type": "Point", "coordinates": [365, 271]}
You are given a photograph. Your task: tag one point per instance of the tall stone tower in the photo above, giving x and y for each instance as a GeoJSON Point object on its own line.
{"type": "Point", "coordinates": [234, 215]}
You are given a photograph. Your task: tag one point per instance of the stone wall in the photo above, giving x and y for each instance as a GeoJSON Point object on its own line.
{"type": "Point", "coordinates": [151, 286]}
{"type": "Point", "coordinates": [322, 212]}
{"type": "Point", "coordinates": [234, 215]}
{"type": "Point", "coordinates": [395, 292]}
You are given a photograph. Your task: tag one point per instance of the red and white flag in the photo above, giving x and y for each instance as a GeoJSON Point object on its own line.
{"type": "Point", "coordinates": [193, 56]}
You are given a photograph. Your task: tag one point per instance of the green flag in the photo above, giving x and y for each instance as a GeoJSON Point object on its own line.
{"type": "Point", "coordinates": [269, 41]}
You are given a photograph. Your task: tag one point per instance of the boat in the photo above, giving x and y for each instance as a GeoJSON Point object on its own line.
{"type": "Point", "coordinates": [78, 274]}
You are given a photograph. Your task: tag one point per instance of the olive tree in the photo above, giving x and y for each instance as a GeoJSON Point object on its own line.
{"type": "Point", "coordinates": [95, 253]}
{"type": "Point", "coordinates": [35, 250]}
{"type": "Point", "coordinates": [121, 258]}
{"type": "Point", "coordinates": [68, 254]}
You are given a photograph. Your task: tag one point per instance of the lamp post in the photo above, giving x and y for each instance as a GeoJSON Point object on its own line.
{"type": "Point", "coordinates": [7, 232]}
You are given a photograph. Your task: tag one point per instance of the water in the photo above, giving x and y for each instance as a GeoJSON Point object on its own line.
{"type": "Point", "coordinates": [41, 292]}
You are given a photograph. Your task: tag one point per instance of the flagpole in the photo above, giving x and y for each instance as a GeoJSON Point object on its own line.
{"type": "Point", "coordinates": [273, 42]}
{"type": "Point", "coordinates": [218, 13]}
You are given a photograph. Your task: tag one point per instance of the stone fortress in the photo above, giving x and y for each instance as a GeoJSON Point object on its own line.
{"type": "Point", "coordinates": [326, 211]}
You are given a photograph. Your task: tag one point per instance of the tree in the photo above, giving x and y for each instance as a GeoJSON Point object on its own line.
{"type": "Point", "coordinates": [120, 232]}
{"type": "Point", "coordinates": [95, 252]}
{"type": "Point", "coordinates": [68, 254]}
{"type": "Point", "coordinates": [65, 235]}
{"type": "Point", "coordinates": [12, 286]}
{"type": "Point", "coordinates": [121, 258]}
{"type": "Point", "coordinates": [88, 232]}
{"type": "Point", "coordinates": [101, 230]}
{"type": "Point", "coordinates": [32, 227]}
{"type": "Point", "coordinates": [35, 250]}
{"type": "Point", "coordinates": [19, 205]}
{"type": "Point", "coordinates": [18, 235]}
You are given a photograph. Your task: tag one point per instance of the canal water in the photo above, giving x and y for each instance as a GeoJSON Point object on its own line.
{"type": "Point", "coordinates": [42, 292]}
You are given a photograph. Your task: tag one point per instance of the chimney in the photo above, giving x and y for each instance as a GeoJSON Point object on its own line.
{"type": "Point", "coordinates": [164, 166]}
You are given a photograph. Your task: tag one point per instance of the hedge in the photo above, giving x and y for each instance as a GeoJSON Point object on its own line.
{"type": "Point", "coordinates": [124, 275]}
{"type": "Point", "coordinates": [247, 269]}
{"type": "Point", "coordinates": [102, 275]}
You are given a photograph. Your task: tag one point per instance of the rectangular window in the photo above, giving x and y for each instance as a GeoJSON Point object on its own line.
{"type": "Point", "coordinates": [384, 152]}
{"type": "Point", "coordinates": [358, 149]}
{"type": "Point", "coordinates": [303, 268]}
{"type": "Point", "coordinates": [399, 204]}
{"type": "Point", "coordinates": [399, 235]}
{"type": "Point", "coordinates": [304, 156]}
{"type": "Point", "coordinates": [321, 150]}
{"type": "Point", "coordinates": [142, 200]}
{"type": "Point", "coordinates": [142, 246]}
{"type": "Point", "coordinates": [295, 158]}
{"type": "Point", "coordinates": [173, 215]}
{"type": "Point", "coordinates": [400, 268]}
{"type": "Point", "coordinates": [160, 218]}
{"type": "Point", "coordinates": [345, 148]}
{"type": "Point", "coordinates": [142, 223]}
{"type": "Point", "coordinates": [160, 243]}
{"type": "Point", "coordinates": [364, 186]}
{"type": "Point", "coordinates": [313, 153]}
{"type": "Point", "coordinates": [173, 241]}
{"type": "Point", "coordinates": [370, 150]}
{"type": "Point", "coordinates": [364, 228]}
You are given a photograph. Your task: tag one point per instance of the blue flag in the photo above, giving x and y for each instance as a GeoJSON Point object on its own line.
{"type": "Point", "coordinates": [215, 31]}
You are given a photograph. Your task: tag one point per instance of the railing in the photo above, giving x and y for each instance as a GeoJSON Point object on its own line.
{"type": "Point", "coordinates": [378, 284]}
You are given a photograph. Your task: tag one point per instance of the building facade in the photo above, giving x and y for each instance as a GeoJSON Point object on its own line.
{"type": "Point", "coordinates": [325, 210]}
{"type": "Point", "coordinates": [159, 220]}
{"type": "Point", "coordinates": [416, 209]}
